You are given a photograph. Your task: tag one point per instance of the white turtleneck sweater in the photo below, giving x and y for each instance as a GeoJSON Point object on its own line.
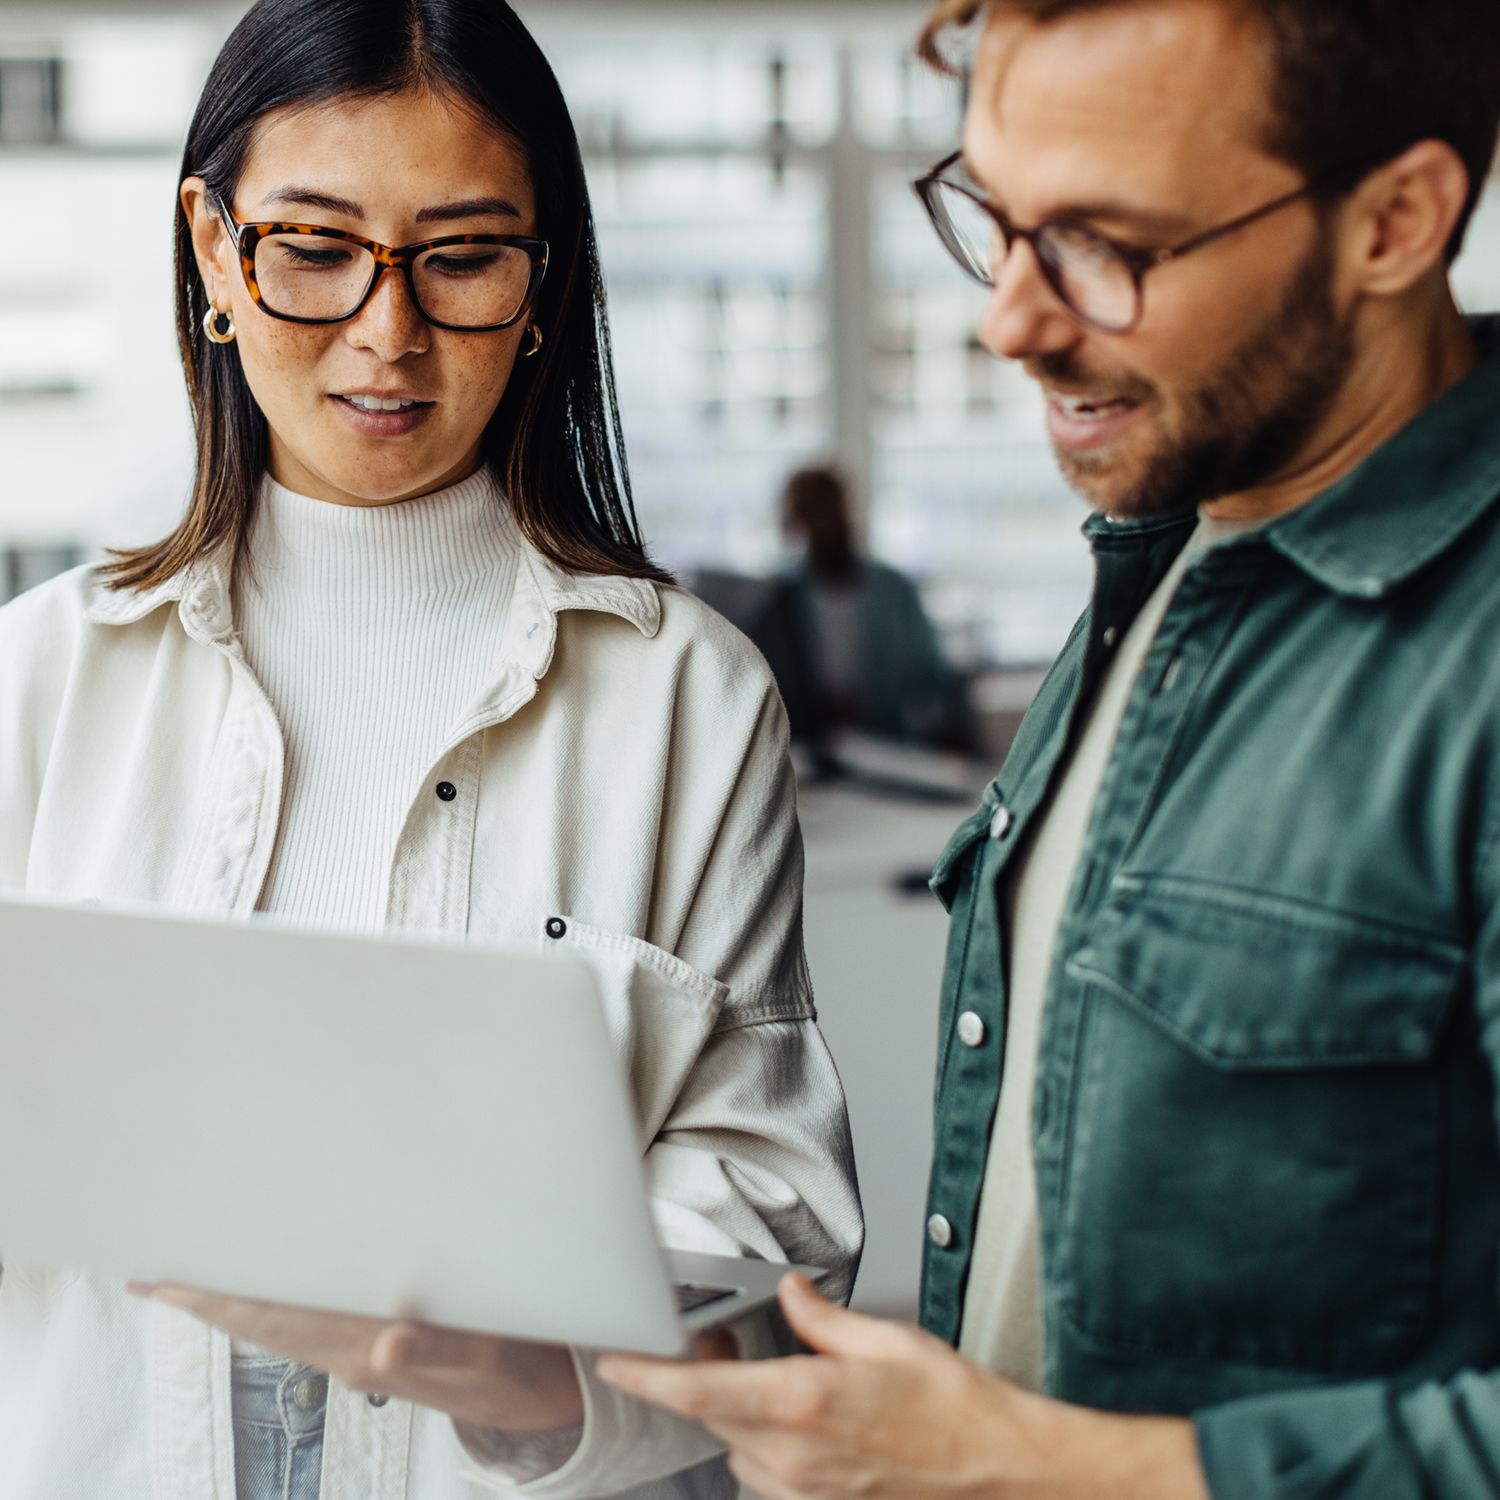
{"type": "Point", "coordinates": [370, 628]}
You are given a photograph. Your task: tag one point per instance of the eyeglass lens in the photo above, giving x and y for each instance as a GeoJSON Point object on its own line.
{"type": "Point", "coordinates": [1085, 270]}
{"type": "Point", "coordinates": [466, 286]}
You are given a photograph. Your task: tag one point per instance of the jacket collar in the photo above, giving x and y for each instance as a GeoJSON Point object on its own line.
{"type": "Point", "coordinates": [1411, 499]}
{"type": "Point", "coordinates": [543, 591]}
{"type": "Point", "coordinates": [201, 593]}
{"type": "Point", "coordinates": [1406, 504]}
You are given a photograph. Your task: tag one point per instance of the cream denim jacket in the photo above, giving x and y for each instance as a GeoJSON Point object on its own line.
{"type": "Point", "coordinates": [625, 770]}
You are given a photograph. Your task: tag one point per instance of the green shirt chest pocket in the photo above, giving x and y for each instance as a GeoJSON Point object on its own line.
{"type": "Point", "coordinates": [1255, 1131]}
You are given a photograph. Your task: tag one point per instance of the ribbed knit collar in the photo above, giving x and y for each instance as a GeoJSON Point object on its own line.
{"type": "Point", "coordinates": [448, 537]}
{"type": "Point", "coordinates": [544, 590]}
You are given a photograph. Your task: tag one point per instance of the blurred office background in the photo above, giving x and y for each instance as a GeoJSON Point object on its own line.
{"type": "Point", "coordinates": [777, 298]}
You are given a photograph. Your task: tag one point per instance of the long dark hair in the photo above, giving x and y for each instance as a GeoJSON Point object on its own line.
{"type": "Point", "coordinates": [554, 443]}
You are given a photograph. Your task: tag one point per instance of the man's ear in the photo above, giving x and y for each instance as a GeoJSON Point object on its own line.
{"type": "Point", "coordinates": [1400, 219]}
{"type": "Point", "coordinates": [211, 247]}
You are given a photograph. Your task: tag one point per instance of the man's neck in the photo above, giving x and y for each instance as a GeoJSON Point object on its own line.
{"type": "Point", "coordinates": [1401, 369]}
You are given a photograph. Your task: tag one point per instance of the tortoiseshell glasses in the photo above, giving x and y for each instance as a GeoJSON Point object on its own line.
{"type": "Point", "coordinates": [467, 283]}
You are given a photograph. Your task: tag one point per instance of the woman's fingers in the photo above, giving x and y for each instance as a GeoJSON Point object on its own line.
{"type": "Point", "coordinates": [408, 1345]}
{"type": "Point", "coordinates": [477, 1377]}
{"type": "Point", "coordinates": [411, 1345]}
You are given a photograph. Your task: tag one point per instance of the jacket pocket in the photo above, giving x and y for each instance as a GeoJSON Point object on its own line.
{"type": "Point", "coordinates": [659, 1011]}
{"type": "Point", "coordinates": [1253, 1167]}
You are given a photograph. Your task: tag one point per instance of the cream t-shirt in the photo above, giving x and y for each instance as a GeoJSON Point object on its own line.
{"type": "Point", "coordinates": [1002, 1326]}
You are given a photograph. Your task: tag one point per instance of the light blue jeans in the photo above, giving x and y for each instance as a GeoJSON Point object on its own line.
{"type": "Point", "coordinates": [278, 1407]}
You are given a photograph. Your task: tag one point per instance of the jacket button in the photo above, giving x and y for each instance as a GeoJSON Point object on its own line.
{"type": "Point", "coordinates": [1000, 823]}
{"type": "Point", "coordinates": [446, 791]}
{"type": "Point", "coordinates": [376, 1399]}
{"type": "Point", "coordinates": [556, 927]}
{"type": "Point", "coordinates": [940, 1231]}
{"type": "Point", "coordinates": [970, 1029]}
{"type": "Point", "coordinates": [1111, 636]}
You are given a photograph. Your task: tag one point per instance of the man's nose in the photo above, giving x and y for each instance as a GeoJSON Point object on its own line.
{"type": "Point", "coordinates": [1024, 317]}
{"type": "Point", "coordinates": [390, 324]}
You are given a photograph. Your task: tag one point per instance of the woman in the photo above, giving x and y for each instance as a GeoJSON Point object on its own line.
{"type": "Point", "coordinates": [405, 664]}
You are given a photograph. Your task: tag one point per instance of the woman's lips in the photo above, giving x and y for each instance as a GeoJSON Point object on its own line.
{"type": "Point", "coordinates": [382, 423]}
{"type": "Point", "coordinates": [1078, 423]}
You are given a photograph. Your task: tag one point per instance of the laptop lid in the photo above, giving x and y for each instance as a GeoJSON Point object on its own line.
{"type": "Point", "coordinates": [381, 1126]}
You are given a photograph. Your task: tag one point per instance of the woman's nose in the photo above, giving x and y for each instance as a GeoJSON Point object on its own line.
{"type": "Point", "coordinates": [390, 324]}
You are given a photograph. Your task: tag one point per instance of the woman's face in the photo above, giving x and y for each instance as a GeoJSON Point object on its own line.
{"type": "Point", "coordinates": [398, 169]}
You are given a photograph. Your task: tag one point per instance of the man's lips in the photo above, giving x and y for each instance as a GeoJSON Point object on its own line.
{"type": "Point", "coordinates": [1087, 421]}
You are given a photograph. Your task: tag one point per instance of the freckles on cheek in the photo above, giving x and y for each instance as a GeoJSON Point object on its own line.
{"type": "Point", "coordinates": [479, 369]}
{"type": "Point", "coordinates": [281, 365]}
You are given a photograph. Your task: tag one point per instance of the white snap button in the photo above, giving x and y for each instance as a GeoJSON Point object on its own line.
{"type": "Point", "coordinates": [940, 1231]}
{"type": "Point", "coordinates": [1000, 823]}
{"type": "Point", "coordinates": [1111, 636]}
{"type": "Point", "coordinates": [970, 1029]}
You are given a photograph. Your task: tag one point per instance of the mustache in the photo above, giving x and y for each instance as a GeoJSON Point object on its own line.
{"type": "Point", "coordinates": [1064, 368]}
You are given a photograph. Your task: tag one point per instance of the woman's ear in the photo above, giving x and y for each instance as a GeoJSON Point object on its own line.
{"type": "Point", "coordinates": [1402, 217]}
{"type": "Point", "coordinates": [211, 244]}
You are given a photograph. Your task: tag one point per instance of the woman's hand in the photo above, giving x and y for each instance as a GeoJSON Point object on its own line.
{"type": "Point", "coordinates": [476, 1378]}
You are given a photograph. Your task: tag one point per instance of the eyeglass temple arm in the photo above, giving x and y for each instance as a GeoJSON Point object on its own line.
{"type": "Point", "coordinates": [232, 226]}
{"type": "Point", "coordinates": [942, 166]}
{"type": "Point", "coordinates": [1158, 257]}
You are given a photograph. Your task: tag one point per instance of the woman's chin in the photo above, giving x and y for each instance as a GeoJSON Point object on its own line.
{"type": "Point", "coordinates": [346, 478]}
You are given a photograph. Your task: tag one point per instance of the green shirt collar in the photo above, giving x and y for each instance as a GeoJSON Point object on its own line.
{"type": "Point", "coordinates": [1409, 501]}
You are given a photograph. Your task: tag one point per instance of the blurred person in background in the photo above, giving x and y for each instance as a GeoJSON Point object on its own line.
{"type": "Point", "coordinates": [873, 660]}
{"type": "Point", "coordinates": [405, 664]}
{"type": "Point", "coordinates": [1215, 1200]}
{"type": "Point", "coordinates": [847, 638]}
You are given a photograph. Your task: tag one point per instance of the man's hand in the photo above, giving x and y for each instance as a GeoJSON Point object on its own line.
{"type": "Point", "coordinates": [476, 1378]}
{"type": "Point", "coordinates": [887, 1412]}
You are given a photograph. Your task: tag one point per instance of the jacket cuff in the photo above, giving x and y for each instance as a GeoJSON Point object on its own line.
{"type": "Point", "coordinates": [1343, 1443]}
{"type": "Point", "coordinates": [625, 1443]}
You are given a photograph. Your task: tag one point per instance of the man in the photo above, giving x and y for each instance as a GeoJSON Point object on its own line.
{"type": "Point", "coordinates": [1216, 1194]}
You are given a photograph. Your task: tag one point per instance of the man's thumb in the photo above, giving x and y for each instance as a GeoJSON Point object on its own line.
{"type": "Point", "coordinates": [830, 1329]}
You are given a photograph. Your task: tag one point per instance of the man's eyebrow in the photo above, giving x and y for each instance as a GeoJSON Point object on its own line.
{"type": "Point", "coordinates": [1130, 215]}
{"type": "Point", "coordinates": [1131, 218]}
{"type": "Point", "coordinates": [312, 198]}
{"type": "Point", "coordinates": [1107, 210]}
{"type": "Point", "coordinates": [469, 208]}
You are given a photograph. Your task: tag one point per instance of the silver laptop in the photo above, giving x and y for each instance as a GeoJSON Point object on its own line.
{"type": "Point", "coordinates": [380, 1126]}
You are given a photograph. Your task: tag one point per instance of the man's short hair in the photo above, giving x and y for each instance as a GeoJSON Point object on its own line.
{"type": "Point", "coordinates": [1356, 82]}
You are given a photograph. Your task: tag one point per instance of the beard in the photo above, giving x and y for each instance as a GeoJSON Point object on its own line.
{"type": "Point", "coordinates": [1238, 428]}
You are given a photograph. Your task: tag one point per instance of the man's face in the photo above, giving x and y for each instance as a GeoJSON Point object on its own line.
{"type": "Point", "coordinates": [1145, 121]}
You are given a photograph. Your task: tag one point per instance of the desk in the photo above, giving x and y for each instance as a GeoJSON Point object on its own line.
{"type": "Point", "coordinates": [876, 957]}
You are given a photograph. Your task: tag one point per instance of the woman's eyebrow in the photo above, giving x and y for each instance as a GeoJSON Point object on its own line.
{"type": "Point", "coordinates": [311, 198]}
{"type": "Point", "coordinates": [469, 208]}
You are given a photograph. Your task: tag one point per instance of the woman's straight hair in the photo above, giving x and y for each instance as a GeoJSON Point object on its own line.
{"type": "Point", "coordinates": [554, 444]}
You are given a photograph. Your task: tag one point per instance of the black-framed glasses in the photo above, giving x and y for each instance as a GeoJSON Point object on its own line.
{"type": "Point", "coordinates": [1101, 281]}
{"type": "Point", "coordinates": [466, 283]}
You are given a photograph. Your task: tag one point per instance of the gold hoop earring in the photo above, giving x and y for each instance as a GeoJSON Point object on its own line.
{"type": "Point", "coordinates": [211, 325]}
{"type": "Point", "coordinates": [536, 340]}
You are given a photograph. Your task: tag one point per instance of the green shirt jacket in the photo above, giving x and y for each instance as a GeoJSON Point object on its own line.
{"type": "Point", "coordinates": [1265, 1127]}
